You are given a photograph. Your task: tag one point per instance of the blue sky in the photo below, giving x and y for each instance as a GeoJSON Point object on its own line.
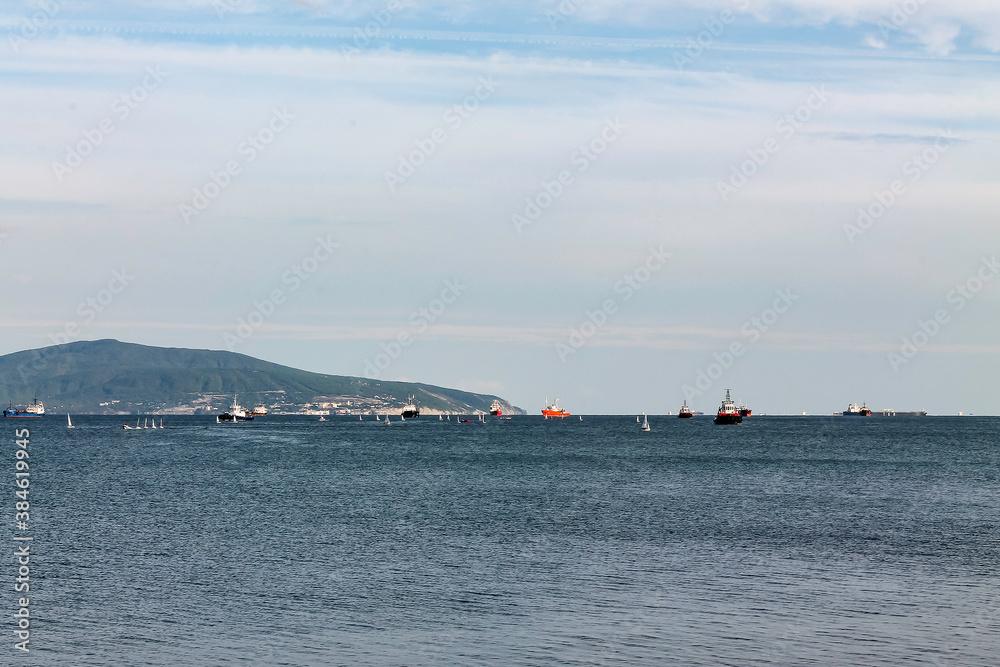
{"type": "Point", "coordinates": [314, 131]}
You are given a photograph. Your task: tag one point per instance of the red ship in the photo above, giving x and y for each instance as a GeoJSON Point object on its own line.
{"type": "Point", "coordinates": [554, 410]}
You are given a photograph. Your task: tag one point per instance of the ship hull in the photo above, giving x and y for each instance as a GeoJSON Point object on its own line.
{"type": "Point", "coordinates": [685, 415]}
{"type": "Point", "coordinates": [411, 414]}
{"type": "Point", "coordinates": [226, 417]}
{"type": "Point", "coordinates": [17, 414]}
{"type": "Point", "coordinates": [728, 420]}
{"type": "Point", "coordinates": [553, 413]}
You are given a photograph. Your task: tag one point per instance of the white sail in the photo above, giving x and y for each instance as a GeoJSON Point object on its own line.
{"type": "Point", "coordinates": [69, 422]}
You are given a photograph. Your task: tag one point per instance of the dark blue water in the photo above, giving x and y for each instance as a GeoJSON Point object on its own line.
{"type": "Point", "coordinates": [787, 541]}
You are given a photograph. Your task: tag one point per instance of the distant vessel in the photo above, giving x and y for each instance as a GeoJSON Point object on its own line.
{"type": "Point", "coordinates": [387, 420]}
{"type": "Point", "coordinates": [685, 412]}
{"type": "Point", "coordinates": [554, 410]}
{"type": "Point", "coordinates": [645, 423]}
{"type": "Point", "coordinates": [33, 411]}
{"type": "Point", "coordinates": [259, 410]}
{"type": "Point", "coordinates": [728, 414]}
{"type": "Point", "coordinates": [496, 409]}
{"type": "Point", "coordinates": [743, 409]}
{"type": "Point", "coordinates": [69, 421]}
{"type": "Point", "coordinates": [235, 413]}
{"type": "Point", "coordinates": [410, 410]}
{"type": "Point", "coordinates": [322, 418]}
{"type": "Point", "coordinates": [854, 411]}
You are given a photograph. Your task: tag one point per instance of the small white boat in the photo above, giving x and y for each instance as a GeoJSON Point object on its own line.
{"type": "Point", "coordinates": [645, 422]}
{"type": "Point", "coordinates": [440, 418]}
{"type": "Point", "coordinates": [69, 422]}
{"type": "Point", "coordinates": [161, 422]}
{"type": "Point", "coordinates": [387, 420]}
{"type": "Point", "coordinates": [581, 417]}
{"type": "Point", "coordinates": [360, 419]}
{"type": "Point", "coordinates": [322, 418]}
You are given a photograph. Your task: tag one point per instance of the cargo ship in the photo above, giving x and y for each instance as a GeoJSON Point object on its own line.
{"type": "Point", "coordinates": [685, 412]}
{"type": "Point", "coordinates": [235, 413]}
{"type": "Point", "coordinates": [496, 409]}
{"type": "Point", "coordinates": [744, 410]}
{"type": "Point", "coordinates": [260, 410]}
{"type": "Point", "coordinates": [554, 410]}
{"type": "Point", "coordinates": [854, 411]}
{"type": "Point", "coordinates": [410, 410]}
{"type": "Point", "coordinates": [728, 414]}
{"type": "Point", "coordinates": [34, 411]}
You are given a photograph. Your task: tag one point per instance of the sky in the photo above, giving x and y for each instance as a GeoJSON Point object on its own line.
{"type": "Point", "coordinates": [620, 204]}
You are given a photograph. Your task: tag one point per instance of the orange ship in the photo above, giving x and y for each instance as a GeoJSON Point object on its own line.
{"type": "Point", "coordinates": [554, 410]}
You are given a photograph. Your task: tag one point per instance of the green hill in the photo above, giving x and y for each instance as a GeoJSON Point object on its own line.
{"type": "Point", "coordinates": [111, 377]}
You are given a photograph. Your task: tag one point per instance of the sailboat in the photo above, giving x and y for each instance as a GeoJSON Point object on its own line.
{"type": "Point", "coordinates": [387, 420]}
{"type": "Point", "coordinates": [645, 422]}
{"type": "Point", "coordinates": [440, 418]}
{"type": "Point", "coordinates": [322, 418]}
{"type": "Point", "coordinates": [637, 420]}
{"type": "Point", "coordinates": [69, 422]}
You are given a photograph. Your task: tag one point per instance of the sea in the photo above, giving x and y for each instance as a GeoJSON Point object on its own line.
{"type": "Point", "coordinates": [290, 541]}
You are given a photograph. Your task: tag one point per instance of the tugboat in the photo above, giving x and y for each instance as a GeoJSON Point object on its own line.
{"type": "Point", "coordinates": [410, 410]}
{"type": "Point", "coordinates": [743, 410]}
{"type": "Point", "coordinates": [728, 414]}
{"type": "Point", "coordinates": [554, 410]}
{"type": "Point", "coordinates": [34, 411]}
{"type": "Point", "coordinates": [496, 409]}
{"type": "Point", "coordinates": [685, 412]}
{"type": "Point", "coordinates": [854, 411]}
{"type": "Point", "coordinates": [236, 413]}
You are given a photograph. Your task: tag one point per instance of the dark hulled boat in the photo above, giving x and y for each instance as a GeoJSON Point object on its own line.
{"type": "Point", "coordinates": [728, 414]}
